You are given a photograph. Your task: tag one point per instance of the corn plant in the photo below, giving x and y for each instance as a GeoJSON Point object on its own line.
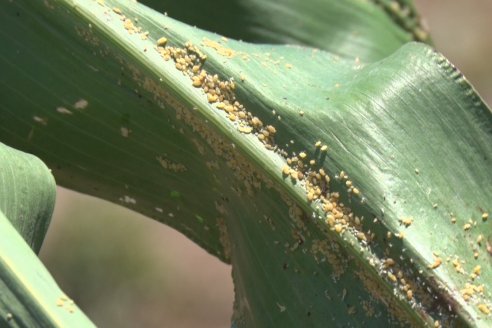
{"type": "Point", "coordinates": [342, 168]}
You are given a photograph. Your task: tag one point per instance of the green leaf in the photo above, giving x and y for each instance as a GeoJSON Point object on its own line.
{"type": "Point", "coordinates": [114, 119]}
{"type": "Point", "coordinates": [27, 194]}
{"type": "Point", "coordinates": [369, 30]}
{"type": "Point", "coordinates": [29, 297]}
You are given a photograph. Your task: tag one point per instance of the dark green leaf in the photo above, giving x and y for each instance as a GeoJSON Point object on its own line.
{"type": "Point", "coordinates": [369, 30]}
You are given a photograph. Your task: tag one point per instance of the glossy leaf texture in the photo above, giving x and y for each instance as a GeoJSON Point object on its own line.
{"type": "Point", "coordinates": [409, 145]}
{"type": "Point", "coordinates": [29, 297]}
{"type": "Point", "coordinates": [369, 30]}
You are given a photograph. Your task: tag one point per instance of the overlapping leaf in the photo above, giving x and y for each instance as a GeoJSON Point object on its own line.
{"type": "Point", "coordinates": [29, 297]}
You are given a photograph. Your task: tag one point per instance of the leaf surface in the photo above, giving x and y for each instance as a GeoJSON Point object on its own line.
{"type": "Point", "coordinates": [29, 297]}
{"type": "Point", "coordinates": [117, 120]}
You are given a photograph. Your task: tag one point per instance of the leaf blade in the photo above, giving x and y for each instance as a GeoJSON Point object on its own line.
{"type": "Point", "coordinates": [29, 296]}
{"type": "Point", "coordinates": [353, 92]}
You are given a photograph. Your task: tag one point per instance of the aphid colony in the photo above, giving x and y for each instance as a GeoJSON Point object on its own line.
{"type": "Point", "coordinates": [301, 169]}
{"type": "Point", "coordinates": [190, 60]}
{"type": "Point", "coordinates": [316, 183]}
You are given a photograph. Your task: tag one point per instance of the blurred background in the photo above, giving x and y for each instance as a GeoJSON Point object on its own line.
{"type": "Point", "coordinates": [127, 271]}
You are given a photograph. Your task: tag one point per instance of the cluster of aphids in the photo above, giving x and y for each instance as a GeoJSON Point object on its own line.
{"type": "Point", "coordinates": [316, 183]}
{"type": "Point", "coordinates": [190, 61]}
{"type": "Point", "coordinates": [299, 168]}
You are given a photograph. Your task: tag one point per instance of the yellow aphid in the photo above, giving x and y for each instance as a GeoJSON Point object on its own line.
{"type": "Point", "coordinates": [312, 162]}
{"type": "Point", "coordinates": [286, 170]}
{"type": "Point", "coordinates": [317, 144]}
{"type": "Point", "coordinates": [327, 207]}
{"type": "Point", "coordinates": [407, 221]}
{"type": "Point", "coordinates": [409, 294]}
{"type": "Point", "coordinates": [245, 129]}
{"type": "Point", "coordinates": [324, 148]}
{"type": "Point", "coordinates": [436, 264]}
{"type": "Point", "coordinates": [457, 266]}
{"type": "Point", "coordinates": [271, 129]}
{"type": "Point", "coordinates": [355, 191]}
{"type": "Point", "coordinates": [392, 277]}
{"type": "Point", "coordinates": [485, 216]}
{"type": "Point", "coordinates": [484, 308]}
{"type": "Point", "coordinates": [479, 240]}
{"type": "Point", "coordinates": [330, 220]}
{"type": "Point", "coordinates": [255, 121]}
{"type": "Point", "coordinates": [302, 155]}
{"type": "Point", "coordinates": [477, 270]}
{"type": "Point", "coordinates": [211, 98]}
{"type": "Point", "coordinates": [117, 10]}
{"type": "Point", "coordinates": [128, 25]}
{"type": "Point", "coordinates": [197, 82]}
{"type": "Point", "coordinates": [400, 235]}
{"type": "Point", "coordinates": [467, 226]}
